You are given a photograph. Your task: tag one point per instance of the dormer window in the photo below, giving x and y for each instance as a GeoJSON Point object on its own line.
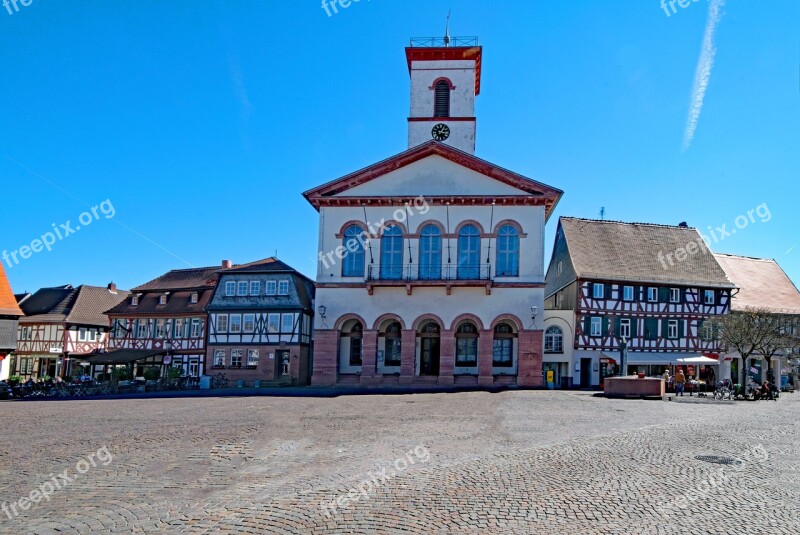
{"type": "Point", "coordinates": [134, 300]}
{"type": "Point", "coordinates": [230, 288]}
{"type": "Point", "coordinates": [162, 299]}
{"type": "Point", "coordinates": [193, 298]}
{"type": "Point", "coordinates": [441, 102]}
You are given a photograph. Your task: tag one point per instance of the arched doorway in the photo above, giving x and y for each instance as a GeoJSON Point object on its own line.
{"type": "Point", "coordinates": [429, 356]}
{"type": "Point", "coordinates": [350, 346]}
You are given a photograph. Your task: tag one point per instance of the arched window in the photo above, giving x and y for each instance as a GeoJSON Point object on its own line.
{"type": "Point", "coordinates": [507, 252]}
{"type": "Point", "coordinates": [353, 261]}
{"type": "Point", "coordinates": [467, 345]}
{"type": "Point", "coordinates": [441, 105]}
{"type": "Point", "coordinates": [392, 345]}
{"type": "Point", "coordinates": [392, 253]}
{"type": "Point", "coordinates": [469, 252]}
{"type": "Point", "coordinates": [430, 253]}
{"type": "Point", "coordinates": [554, 340]}
{"type": "Point", "coordinates": [356, 335]}
{"type": "Point", "coordinates": [503, 346]}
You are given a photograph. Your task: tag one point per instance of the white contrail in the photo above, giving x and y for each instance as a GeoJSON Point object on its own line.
{"type": "Point", "coordinates": [703, 73]}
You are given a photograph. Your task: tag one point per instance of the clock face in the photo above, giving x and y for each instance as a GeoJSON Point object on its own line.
{"type": "Point", "coordinates": [440, 132]}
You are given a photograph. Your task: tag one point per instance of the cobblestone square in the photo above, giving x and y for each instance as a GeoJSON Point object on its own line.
{"type": "Point", "coordinates": [510, 462]}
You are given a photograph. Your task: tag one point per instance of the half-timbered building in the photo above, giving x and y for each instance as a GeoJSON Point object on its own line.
{"type": "Point", "coordinates": [164, 321]}
{"type": "Point", "coordinates": [431, 262]}
{"type": "Point", "coordinates": [260, 324]}
{"type": "Point", "coordinates": [61, 325]}
{"type": "Point", "coordinates": [649, 286]}
{"type": "Point", "coordinates": [9, 320]}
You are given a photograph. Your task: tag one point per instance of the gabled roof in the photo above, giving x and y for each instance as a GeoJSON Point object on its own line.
{"type": "Point", "coordinates": [301, 293]}
{"type": "Point", "coordinates": [84, 305]}
{"type": "Point", "coordinates": [762, 284]}
{"type": "Point", "coordinates": [638, 252]}
{"type": "Point", "coordinates": [53, 300]}
{"type": "Point", "coordinates": [542, 193]}
{"type": "Point", "coordinates": [182, 279]}
{"type": "Point", "coordinates": [92, 302]}
{"type": "Point", "coordinates": [268, 265]}
{"type": "Point", "coordinates": [8, 302]}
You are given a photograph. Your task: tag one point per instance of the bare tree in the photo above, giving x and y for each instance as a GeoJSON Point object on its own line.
{"type": "Point", "coordinates": [752, 332]}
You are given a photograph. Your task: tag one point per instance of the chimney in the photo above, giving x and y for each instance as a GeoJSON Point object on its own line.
{"type": "Point", "coordinates": [227, 264]}
{"type": "Point", "coordinates": [683, 224]}
{"type": "Point", "coordinates": [112, 287]}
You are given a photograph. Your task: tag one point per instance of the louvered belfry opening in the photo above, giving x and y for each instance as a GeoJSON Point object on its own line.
{"type": "Point", "coordinates": [441, 107]}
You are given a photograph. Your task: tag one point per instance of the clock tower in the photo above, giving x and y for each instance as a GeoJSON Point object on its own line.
{"type": "Point", "coordinates": [445, 79]}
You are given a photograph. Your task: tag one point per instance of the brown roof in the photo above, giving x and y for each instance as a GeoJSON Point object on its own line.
{"type": "Point", "coordinates": [637, 252]}
{"type": "Point", "coordinates": [8, 303]}
{"type": "Point", "coordinates": [762, 282]}
{"type": "Point", "coordinates": [84, 305]}
{"type": "Point", "coordinates": [182, 279]}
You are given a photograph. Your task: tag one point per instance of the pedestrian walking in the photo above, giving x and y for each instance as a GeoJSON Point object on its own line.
{"type": "Point", "coordinates": [680, 382]}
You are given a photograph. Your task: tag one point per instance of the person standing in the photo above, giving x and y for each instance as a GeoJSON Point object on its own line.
{"type": "Point", "coordinates": [680, 382]}
{"type": "Point", "coordinates": [666, 379]}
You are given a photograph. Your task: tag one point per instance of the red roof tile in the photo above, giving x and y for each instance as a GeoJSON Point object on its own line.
{"type": "Point", "coordinates": [8, 303]}
{"type": "Point", "coordinates": [763, 284]}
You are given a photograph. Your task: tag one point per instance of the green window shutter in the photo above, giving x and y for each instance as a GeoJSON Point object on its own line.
{"type": "Point", "coordinates": [607, 291]}
{"type": "Point", "coordinates": [605, 326]}
{"type": "Point", "coordinates": [587, 325]}
{"type": "Point", "coordinates": [617, 322]}
{"type": "Point", "coordinates": [664, 328]}
{"type": "Point", "coordinates": [663, 295]}
{"type": "Point", "coordinates": [634, 330]}
{"type": "Point", "coordinates": [652, 328]}
{"type": "Point", "coordinates": [700, 325]}
{"type": "Point", "coordinates": [681, 328]}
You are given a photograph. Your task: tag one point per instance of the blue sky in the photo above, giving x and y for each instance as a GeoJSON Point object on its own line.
{"type": "Point", "coordinates": [202, 122]}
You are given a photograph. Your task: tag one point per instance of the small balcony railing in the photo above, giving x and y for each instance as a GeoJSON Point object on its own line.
{"type": "Point", "coordinates": [414, 272]}
{"type": "Point", "coordinates": [437, 42]}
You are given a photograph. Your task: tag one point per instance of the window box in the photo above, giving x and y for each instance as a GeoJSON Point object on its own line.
{"type": "Point", "coordinates": [235, 367]}
{"type": "Point", "coordinates": [250, 367]}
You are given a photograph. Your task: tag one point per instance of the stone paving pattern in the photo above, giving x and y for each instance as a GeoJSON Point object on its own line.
{"type": "Point", "coordinates": [510, 462]}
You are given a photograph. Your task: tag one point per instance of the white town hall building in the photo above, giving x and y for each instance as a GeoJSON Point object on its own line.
{"type": "Point", "coordinates": [431, 263]}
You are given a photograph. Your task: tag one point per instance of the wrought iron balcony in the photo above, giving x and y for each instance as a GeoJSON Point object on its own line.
{"type": "Point", "coordinates": [415, 272]}
{"type": "Point", "coordinates": [436, 42]}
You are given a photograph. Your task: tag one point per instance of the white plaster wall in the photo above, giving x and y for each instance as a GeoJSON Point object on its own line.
{"type": "Point", "coordinates": [433, 175]}
{"type": "Point", "coordinates": [530, 218]}
{"type": "Point", "coordinates": [460, 72]}
{"type": "Point", "coordinates": [462, 133]}
{"type": "Point", "coordinates": [566, 320]}
{"type": "Point", "coordinates": [428, 300]}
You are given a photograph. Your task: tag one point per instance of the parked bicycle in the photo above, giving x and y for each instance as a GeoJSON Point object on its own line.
{"type": "Point", "coordinates": [724, 391]}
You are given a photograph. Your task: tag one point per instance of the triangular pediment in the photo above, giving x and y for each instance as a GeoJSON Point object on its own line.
{"type": "Point", "coordinates": [435, 170]}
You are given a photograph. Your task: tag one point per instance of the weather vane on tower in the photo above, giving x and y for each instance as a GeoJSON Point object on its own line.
{"type": "Point", "coordinates": [447, 30]}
